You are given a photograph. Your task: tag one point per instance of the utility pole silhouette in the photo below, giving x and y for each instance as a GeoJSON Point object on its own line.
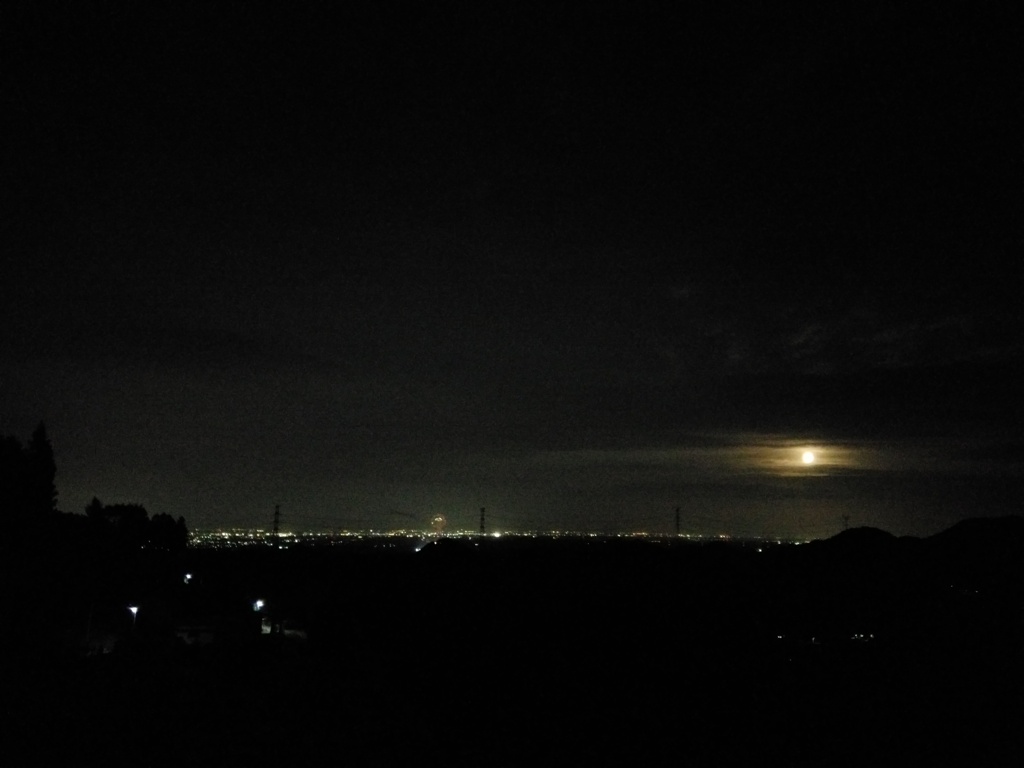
{"type": "Point", "coordinates": [677, 522]}
{"type": "Point", "coordinates": [483, 529]}
{"type": "Point", "coordinates": [277, 522]}
{"type": "Point", "coordinates": [846, 522]}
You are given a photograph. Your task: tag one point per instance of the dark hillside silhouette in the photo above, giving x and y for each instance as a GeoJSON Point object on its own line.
{"type": "Point", "coordinates": [860, 539]}
{"type": "Point", "coordinates": [983, 553]}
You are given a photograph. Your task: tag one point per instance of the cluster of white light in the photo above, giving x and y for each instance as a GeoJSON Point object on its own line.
{"type": "Point", "coordinates": [235, 538]}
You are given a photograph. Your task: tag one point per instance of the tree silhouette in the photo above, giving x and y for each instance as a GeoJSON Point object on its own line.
{"type": "Point", "coordinates": [42, 471]}
{"type": "Point", "coordinates": [130, 526]}
{"type": "Point", "coordinates": [165, 533]}
{"type": "Point", "coordinates": [27, 490]}
{"type": "Point", "coordinates": [94, 510]}
{"type": "Point", "coordinates": [12, 474]}
{"type": "Point", "coordinates": [28, 503]}
{"type": "Point", "coordinates": [130, 523]}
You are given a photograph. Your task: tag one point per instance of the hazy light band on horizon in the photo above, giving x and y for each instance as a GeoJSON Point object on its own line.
{"type": "Point", "coordinates": [771, 455]}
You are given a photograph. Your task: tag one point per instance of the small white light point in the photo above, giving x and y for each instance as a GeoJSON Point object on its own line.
{"type": "Point", "coordinates": [808, 457]}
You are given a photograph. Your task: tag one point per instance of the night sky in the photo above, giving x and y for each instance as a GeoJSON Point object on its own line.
{"type": "Point", "coordinates": [580, 266]}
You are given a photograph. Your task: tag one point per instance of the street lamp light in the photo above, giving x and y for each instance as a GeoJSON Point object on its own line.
{"type": "Point", "coordinates": [135, 612]}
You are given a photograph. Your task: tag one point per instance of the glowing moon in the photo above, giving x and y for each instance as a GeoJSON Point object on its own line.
{"type": "Point", "coordinates": [808, 457]}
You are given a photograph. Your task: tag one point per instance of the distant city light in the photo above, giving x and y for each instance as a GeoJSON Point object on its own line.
{"type": "Point", "coordinates": [417, 540]}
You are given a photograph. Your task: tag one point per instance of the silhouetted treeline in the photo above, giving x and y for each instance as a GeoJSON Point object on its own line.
{"type": "Point", "coordinates": [129, 525]}
{"type": "Point", "coordinates": [28, 505]}
{"type": "Point", "coordinates": [27, 490]}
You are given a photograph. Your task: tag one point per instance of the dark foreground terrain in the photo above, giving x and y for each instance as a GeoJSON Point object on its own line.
{"type": "Point", "coordinates": [861, 650]}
